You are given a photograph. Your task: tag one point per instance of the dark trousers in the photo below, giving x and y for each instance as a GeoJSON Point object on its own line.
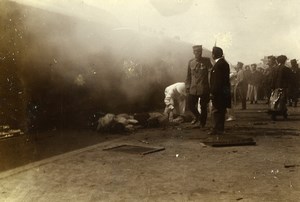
{"type": "Point", "coordinates": [242, 93]}
{"type": "Point", "coordinates": [193, 103]}
{"type": "Point", "coordinates": [218, 118]}
{"type": "Point", "coordinates": [293, 96]}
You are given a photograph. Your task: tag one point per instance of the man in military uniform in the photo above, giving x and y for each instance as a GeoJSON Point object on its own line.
{"type": "Point", "coordinates": [197, 85]}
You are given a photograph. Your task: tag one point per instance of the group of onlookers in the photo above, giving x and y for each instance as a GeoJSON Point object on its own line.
{"type": "Point", "coordinates": [253, 84]}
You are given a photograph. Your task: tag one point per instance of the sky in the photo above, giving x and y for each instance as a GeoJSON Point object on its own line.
{"type": "Point", "coordinates": [247, 30]}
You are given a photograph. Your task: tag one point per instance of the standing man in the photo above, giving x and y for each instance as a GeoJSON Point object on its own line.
{"type": "Point", "coordinates": [247, 72]}
{"type": "Point", "coordinates": [241, 86]}
{"type": "Point", "coordinates": [197, 85]}
{"type": "Point", "coordinates": [220, 91]}
{"type": "Point", "coordinates": [294, 86]}
{"type": "Point", "coordinates": [281, 79]}
{"type": "Point", "coordinates": [269, 74]}
{"type": "Point", "coordinates": [253, 84]}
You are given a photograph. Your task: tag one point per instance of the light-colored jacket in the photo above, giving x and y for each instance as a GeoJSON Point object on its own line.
{"type": "Point", "coordinates": [175, 96]}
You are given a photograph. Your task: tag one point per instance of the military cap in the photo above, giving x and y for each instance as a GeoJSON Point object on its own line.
{"type": "Point", "coordinates": [240, 64]}
{"type": "Point", "coordinates": [197, 47]}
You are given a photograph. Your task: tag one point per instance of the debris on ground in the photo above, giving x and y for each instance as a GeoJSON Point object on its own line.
{"type": "Point", "coordinates": [260, 123]}
{"type": "Point", "coordinates": [228, 140]}
{"type": "Point", "coordinates": [7, 132]}
{"type": "Point", "coordinates": [134, 149]}
{"type": "Point", "coordinates": [291, 165]}
{"type": "Point", "coordinates": [143, 141]}
{"type": "Point", "coordinates": [128, 123]}
{"type": "Point", "coordinates": [116, 123]}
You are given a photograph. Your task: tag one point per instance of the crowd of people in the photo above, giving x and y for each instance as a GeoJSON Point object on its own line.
{"type": "Point", "coordinates": [253, 84]}
{"type": "Point", "coordinates": [276, 85]}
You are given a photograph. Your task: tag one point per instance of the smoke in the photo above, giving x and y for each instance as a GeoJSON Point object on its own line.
{"type": "Point", "coordinates": [72, 67]}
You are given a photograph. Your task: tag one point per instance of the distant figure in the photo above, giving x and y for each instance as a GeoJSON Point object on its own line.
{"type": "Point", "coordinates": [268, 76]}
{"type": "Point", "coordinates": [241, 85]}
{"type": "Point", "coordinates": [220, 91]}
{"type": "Point", "coordinates": [230, 111]}
{"type": "Point", "coordinates": [247, 73]}
{"type": "Point", "coordinates": [295, 84]}
{"type": "Point", "coordinates": [197, 85]}
{"type": "Point", "coordinates": [253, 84]}
{"type": "Point", "coordinates": [280, 82]}
{"type": "Point", "coordinates": [175, 96]}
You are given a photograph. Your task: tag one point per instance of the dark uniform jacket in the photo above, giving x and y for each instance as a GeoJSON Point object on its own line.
{"type": "Point", "coordinates": [281, 77]}
{"type": "Point", "coordinates": [197, 76]}
{"type": "Point", "coordinates": [220, 84]}
{"type": "Point", "coordinates": [255, 78]}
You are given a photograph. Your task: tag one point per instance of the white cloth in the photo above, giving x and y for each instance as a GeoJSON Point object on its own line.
{"type": "Point", "coordinates": [175, 96]}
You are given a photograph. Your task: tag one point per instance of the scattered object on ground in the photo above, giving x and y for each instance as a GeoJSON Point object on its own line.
{"type": "Point", "coordinates": [105, 121]}
{"type": "Point", "coordinates": [116, 123]}
{"type": "Point", "coordinates": [157, 120]}
{"type": "Point", "coordinates": [7, 132]}
{"type": "Point", "coordinates": [143, 141]}
{"type": "Point", "coordinates": [178, 120]}
{"type": "Point", "coordinates": [141, 118]}
{"type": "Point", "coordinates": [203, 145]}
{"type": "Point", "coordinates": [230, 118]}
{"type": "Point", "coordinates": [134, 149]}
{"type": "Point", "coordinates": [238, 199]}
{"type": "Point", "coordinates": [291, 165]}
{"type": "Point", "coordinates": [228, 140]}
{"type": "Point", "coordinates": [188, 118]}
{"type": "Point", "coordinates": [260, 123]}
{"type": "Point", "coordinates": [125, 122]}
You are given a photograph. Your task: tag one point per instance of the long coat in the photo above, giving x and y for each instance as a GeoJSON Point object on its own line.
{"type": "Point", "coordinates": [220, 84]}
{"type": "Point", "coordinates": [197, 76]}
{"type": "Point", "coordinates": [281, 77]}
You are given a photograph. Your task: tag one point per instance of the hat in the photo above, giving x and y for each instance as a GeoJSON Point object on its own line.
{"type": "Point", "coordinates": [271, 57]}
{"type": "Point", "coordinates": [281, 59]}
{"type": "Point", "coordinates": [254, 65]}
{"type": "Point", "coordinates": [294, 61]}
{"type": "Point", "coordinates": [217, 51]}
{"type": "Point", "coordinates": [197, 47]}
{"type": "Point", "coordinates": [240, 64]}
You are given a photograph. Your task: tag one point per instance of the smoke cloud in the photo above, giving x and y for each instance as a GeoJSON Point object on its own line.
{"type": "Point", "coordinates": [72, 68]}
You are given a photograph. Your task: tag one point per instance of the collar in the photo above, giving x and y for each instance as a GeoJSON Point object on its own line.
{"type": "Point", "coordinates": [218, 59]}
{"type": "Point", "coordinates": [199, 60]}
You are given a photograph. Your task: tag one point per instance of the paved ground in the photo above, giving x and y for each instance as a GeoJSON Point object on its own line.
{"type": "Point", "coordinates": [186, 171]}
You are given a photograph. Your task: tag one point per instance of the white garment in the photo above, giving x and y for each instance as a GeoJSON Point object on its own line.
{"type": "Point", "coordinates": [175, 96]}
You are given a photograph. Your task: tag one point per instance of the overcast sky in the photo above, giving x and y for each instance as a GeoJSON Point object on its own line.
{"type": "Point", "coordinates": [247, 30]}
